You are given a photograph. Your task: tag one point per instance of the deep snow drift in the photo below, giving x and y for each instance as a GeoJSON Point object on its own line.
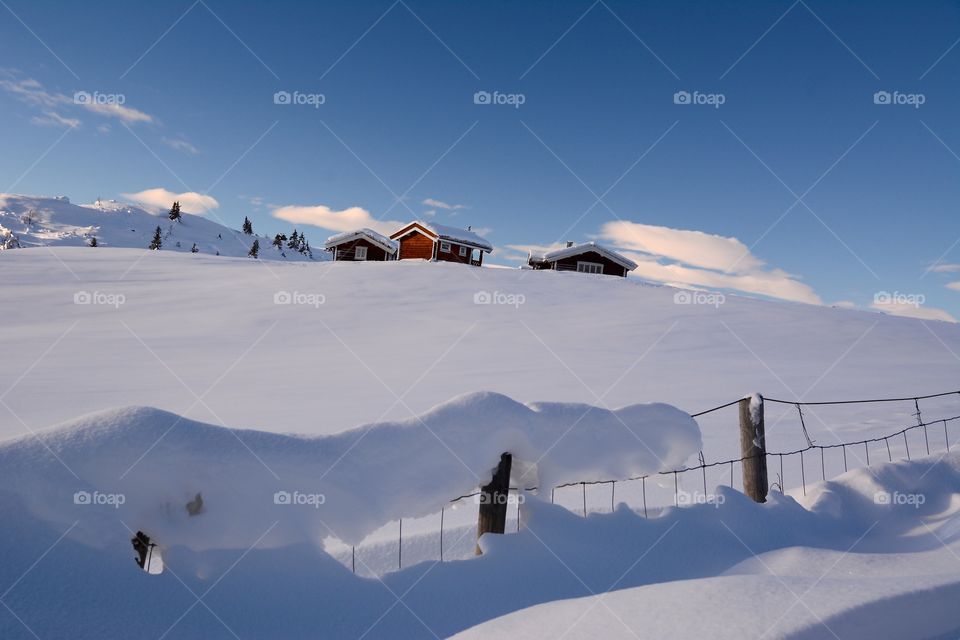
{"type": "Point", "coordinates": [841, 560]}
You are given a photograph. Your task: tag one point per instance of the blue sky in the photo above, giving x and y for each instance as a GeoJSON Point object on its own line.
{"type": "Point", "coordinates": [799, 185]}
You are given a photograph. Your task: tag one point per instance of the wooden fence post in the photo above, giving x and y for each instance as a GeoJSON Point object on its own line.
{"type": "Point", "coordinates": [753, 448]}
{"type": "Point", "coordinates": [493, 500]}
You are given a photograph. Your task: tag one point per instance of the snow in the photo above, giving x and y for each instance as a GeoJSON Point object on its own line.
{"type": "Point", "coordinates": [54, 222]}
{"type": "Point", "coordinates": [559, 254]}
{"type": "Point", "coordinates": [356, 481]}
{"type": "Point", "coordinates": [384, 242]}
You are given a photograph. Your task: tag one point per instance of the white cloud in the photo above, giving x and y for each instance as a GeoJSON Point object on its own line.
{"type": "Point", "coordinates": [33, 93]}
{"type": "Point", "coordinates": [159, 199]}
{"type": "Point", "coordinates": [54, 119]}
{"type": "Point", "coordinates": [688, 257]}
{"type": "Point", "coordinates": [180, 145]}
{"type": "Point", "coordinates": [440, 204]}
{"type": "Point", "coordinates": [908, 310]}
{"type": "Point", "coordinates": [953, 286]}
{"type": "Point", "coordinates": [945, 268]}
{"type": "Point", "coordinates": [119, 111]}
{"type": "Point", "coordinates": [338, 221]}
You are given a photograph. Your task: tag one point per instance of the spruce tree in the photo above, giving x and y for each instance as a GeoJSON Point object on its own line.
{"type": "Point", "coordinates": [93, 242]}
{"type": "Point", "coordinates": [278, 240]}
{"type": "Point", "coordinates": [294, 242]}
{"type": "Point", "coordinates": [247, 227]}
{"type": "Point", "coordinates": [255, 249]}
{"type": "Point", "coordinates": [194, 249]}
{"type": "Point", "coordinates": [175, 212]}
{"type": "Point", "coordinates": [157, 241]}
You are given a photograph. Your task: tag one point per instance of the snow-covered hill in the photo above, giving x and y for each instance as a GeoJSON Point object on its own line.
{"type": "Point", "coordinates": [32, 221]}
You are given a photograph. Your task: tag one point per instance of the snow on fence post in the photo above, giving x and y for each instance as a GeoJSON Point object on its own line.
{"type": "Point", "coordinates": [494, 496]}
{"type": "Point", "coordinates": [753, 448]}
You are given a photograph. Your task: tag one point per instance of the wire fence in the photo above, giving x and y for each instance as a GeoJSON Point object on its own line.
{"type": "Point", "coordinates": [701, 469]}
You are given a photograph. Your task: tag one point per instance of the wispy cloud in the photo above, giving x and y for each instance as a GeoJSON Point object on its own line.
{"type": "Point", "coordinates": [33, 93]}
{"type": "Point", "coordinates": [693, 258]}
{"type": "Point", "coordinates": [327, 218]}
{"type": "Point", "coordinates": [945, 268]}
{"type": "Point", "coordinates": [440, 204]}
{"type": "Point", "coordinates": [180, 145]}
{"type": "Point", "coordinates": [160, 199]}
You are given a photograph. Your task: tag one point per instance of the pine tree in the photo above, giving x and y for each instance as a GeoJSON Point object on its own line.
{"type": "Point", "coordinates": [157, 241]}
{"type": "Point", "coordinates": [175, 212]}
{"type": "Point", "coordinates": [93, 242]}
{"type": "Point", "coordinates": [255, 249]}
{"type": "Point", "coordinates": [294, 241]}
{"type": "Point", "coordinates": [278, 240]}
{"type": "Point", "coordinates": [247, 227]}
{"type": "Point", "coordinates": [194, 249]}
{"type": "Point", "coordinates": [305, 246]}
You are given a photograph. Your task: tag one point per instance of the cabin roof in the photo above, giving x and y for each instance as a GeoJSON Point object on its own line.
{"type": "Point", "coordinates": [586, 247]}
{"type": "Point", "coordinates": [369, 235]}
{"type": "Point", "coordinates": [453, 234]}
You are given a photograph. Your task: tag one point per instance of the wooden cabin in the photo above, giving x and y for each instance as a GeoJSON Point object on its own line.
{"type": "Point", "coordinates": [428, 241]}
{"type": "Point", "coordinates": [362, 244]}
{"type": "Point", "coordinates": [589, 257]}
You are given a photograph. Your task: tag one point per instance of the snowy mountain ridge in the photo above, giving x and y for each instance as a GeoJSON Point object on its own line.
{"type": "Point", "coordinates": [41, 221]}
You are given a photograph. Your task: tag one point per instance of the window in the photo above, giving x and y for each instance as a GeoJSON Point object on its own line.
{"type": "Point", "coordinates": [361, 253]}
{"type": "Point", "coordinates": [445, 247]}
{"type": "Point", "coordinates": [589, 267]}
{"type": "Point", "coordinates": [463, 252]}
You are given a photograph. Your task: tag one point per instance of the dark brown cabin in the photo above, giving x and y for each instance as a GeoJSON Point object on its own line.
{"type": "Point", "coordinates": [589, 257]}
{"type": "Point", "coordinates": [363, 244]}
{"type": "Point", "coordinates": [427, 241]}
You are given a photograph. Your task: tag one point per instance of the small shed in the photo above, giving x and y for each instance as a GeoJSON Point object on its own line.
{"type": "Point", "coordinates": [362, 244]}
{"type": "Point", "coordinates": [429, 241]}
{"type": "Point", "coordinates": [588, 257]}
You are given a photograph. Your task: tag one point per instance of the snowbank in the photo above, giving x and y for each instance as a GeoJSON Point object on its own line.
{"type": "Point", "coordinates": [346, 485]}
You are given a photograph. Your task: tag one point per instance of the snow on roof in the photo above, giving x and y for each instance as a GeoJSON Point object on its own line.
{"type": "Point", "coordinates": [378, 239]}
{"type": "Point", "coordinates": [455, 234]}
{"type": "Point", "coordinates": [577, 249]}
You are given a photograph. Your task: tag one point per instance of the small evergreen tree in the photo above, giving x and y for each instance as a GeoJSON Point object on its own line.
{"type": "Point", "coordinates": [175, 212]}
{"type": "Point", "coordinates": [294, 242]}
{"type": "Point", "coordinates": [305, 247]}
{"type": "Point", "coordinates": [194, 249]}
{"type": "Point", "coordinates": [278, 240]}
{"type": "Point", "coordinates": [92, 242]}
{"type": "Point", "coordinates": [157, 241]}
{"type": "Point", "coordinates": [247, 227]}
{"type": "Point", "coordinates": [255, 249]}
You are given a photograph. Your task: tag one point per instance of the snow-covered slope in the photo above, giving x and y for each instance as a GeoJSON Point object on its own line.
{"type": "Point", "coordinates": [32, 221]}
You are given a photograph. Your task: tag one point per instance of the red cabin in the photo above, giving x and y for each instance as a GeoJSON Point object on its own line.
{"type": "Point", "coordinates": [428, 241]}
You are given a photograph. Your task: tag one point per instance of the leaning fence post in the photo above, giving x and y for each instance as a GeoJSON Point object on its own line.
{"type": "Point", "coordinates": [494, 496]}
{"type": "Point", "coordinates": [753, 448]}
